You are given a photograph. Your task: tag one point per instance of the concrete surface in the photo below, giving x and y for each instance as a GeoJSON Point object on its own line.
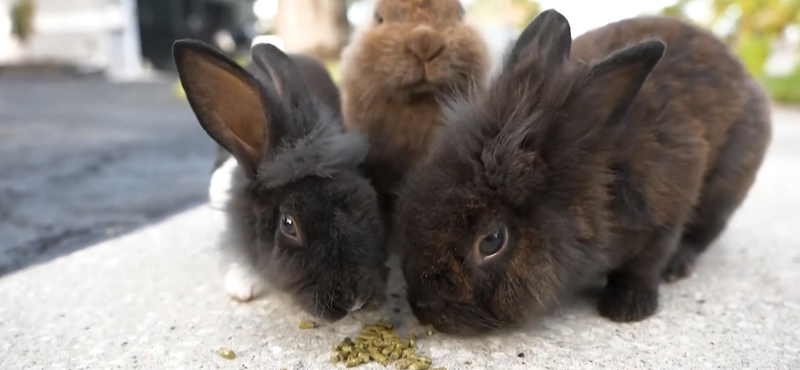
{"type": "Point", "coordinates": [154, 300]}
{"type": "Point", "coordinates": [82, 160]}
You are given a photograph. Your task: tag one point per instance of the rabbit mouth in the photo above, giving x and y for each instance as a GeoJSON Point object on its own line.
{"type": "Point", "coordinates": [419, 82]}
{"type": "Point", "coordinates": [421, 86]}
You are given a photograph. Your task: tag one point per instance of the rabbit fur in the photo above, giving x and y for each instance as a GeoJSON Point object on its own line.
{"type": "Point", "coordinates": [621, 154]}
{"type": "Point", "coordinates": [301, 215]}
{"type": "Point", "coordinates": [396, 70]}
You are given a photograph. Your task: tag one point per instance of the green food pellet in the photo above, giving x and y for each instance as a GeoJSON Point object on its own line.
{"type": "Point", "coordinates": [226, 353]}
{"type": "Point", "coordinates": [419, 366]}
{"type": "Point", "coordinates": [379, 357]}
{"type": "Point", "coordinates": [353, 362]}
{"type": "Point", "coordinates": [307, 325]}
{"type": "Point", "coordinates": [363, 338]}
{"type": "Point", "coordinates": [385, 325]}
{"type": "Point", "coordinates": [379, 343]}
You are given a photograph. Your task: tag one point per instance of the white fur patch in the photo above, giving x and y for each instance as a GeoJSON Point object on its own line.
{"type": "Point", "coordinates": [243, 284]}
{"type": "Point", "coordinates": [357, 305]}
{"type": "Point", "coordinates": [219, 190]}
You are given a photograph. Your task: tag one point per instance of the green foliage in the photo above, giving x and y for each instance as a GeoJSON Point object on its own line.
{"type": "Point", "coordinates": [784, 89]}
{"type": "Point", "coordinates": [516, 13]}
{"type": "Point", "coordinates": [332, 66]}
{"type": "Point", "coordinates": [676, 9]}
{"type": "Point", "coordinates": [22, 14]}
{"type": "Point", "coordinates": [242, 59]}
{"type": "Point", "coordinates": [757, 25]}
{"type": "Point", "coordinates": [753, 51]}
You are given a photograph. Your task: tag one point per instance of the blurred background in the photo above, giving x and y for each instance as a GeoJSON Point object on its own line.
{"type": "Point", "coordinates": [96, 138]}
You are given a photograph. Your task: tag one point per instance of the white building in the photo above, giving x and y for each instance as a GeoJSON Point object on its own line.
{"type": "Point", "coordinates": [91, 34]}
{"type": "Point", "coordinates": [105, 34]}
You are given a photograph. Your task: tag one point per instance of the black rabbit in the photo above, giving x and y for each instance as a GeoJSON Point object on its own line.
{"type": "Point", "coordinates": [301, 217]}
{"type": "Point", "coordinates": [621, 153]}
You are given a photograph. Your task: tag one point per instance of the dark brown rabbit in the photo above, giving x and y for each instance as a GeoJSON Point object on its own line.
{"type": "Point", "coordinates": [622, 153]}
{"type": "Point", "coordinates": [398, 66]}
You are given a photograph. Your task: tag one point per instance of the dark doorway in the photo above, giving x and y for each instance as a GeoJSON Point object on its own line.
{"type": "Point", "coordinates": [161, 22]}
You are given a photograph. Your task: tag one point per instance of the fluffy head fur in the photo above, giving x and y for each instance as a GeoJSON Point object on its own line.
{"type": "Point", "coordinates": [301, 214]}
{"type": "Point", "coordinates": [398, 65]}
{"type": "Point", "coordinates": [580, 161]}
{"type": "Point", "coordinates": [413, 47]}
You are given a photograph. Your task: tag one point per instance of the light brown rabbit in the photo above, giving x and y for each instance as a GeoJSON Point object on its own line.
{"type": "Point", "coordinates": [398, 68]}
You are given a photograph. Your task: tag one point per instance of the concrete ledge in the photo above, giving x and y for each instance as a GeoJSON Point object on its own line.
{"type": "Point", "coordinates": [154, 300]}
{"type": "Point", "coordinates": [45, 69]}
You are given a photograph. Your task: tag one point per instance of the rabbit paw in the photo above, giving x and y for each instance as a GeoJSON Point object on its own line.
{"type": "Point", "coordinates": [242, 284]}
{"type": "Point", "coordinates": [680, 265]}
{"type": "Point", "coordinates": [626, 304]}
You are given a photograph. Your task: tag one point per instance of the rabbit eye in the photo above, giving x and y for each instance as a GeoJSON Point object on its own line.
{"type": "Point", "coordinates": [288, 226]}
{"type": "Point", "coordinates": [378, 18]}
{"type": "Point", "coordinates": [493, 242]}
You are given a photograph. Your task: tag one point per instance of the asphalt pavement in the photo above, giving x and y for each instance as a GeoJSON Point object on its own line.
{"type": "Point", "coordinates": [82, 159]}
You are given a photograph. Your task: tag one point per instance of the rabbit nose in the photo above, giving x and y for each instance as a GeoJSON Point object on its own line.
{"type": "Point", "coordinates": [425, 43]}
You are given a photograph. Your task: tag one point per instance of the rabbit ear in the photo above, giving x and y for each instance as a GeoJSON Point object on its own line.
{"type": "Point", "coordinates": [287, 79]}
{"type": "Point", "coordinates": [228, 102]}
{"type": "Point", "coordinates": [547, 37]}
{"type": "Point", "coordinates": [614, 83]}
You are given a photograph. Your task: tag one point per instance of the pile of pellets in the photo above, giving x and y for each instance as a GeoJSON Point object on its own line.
{"type": "Point", "coordinates": [380, 343]}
